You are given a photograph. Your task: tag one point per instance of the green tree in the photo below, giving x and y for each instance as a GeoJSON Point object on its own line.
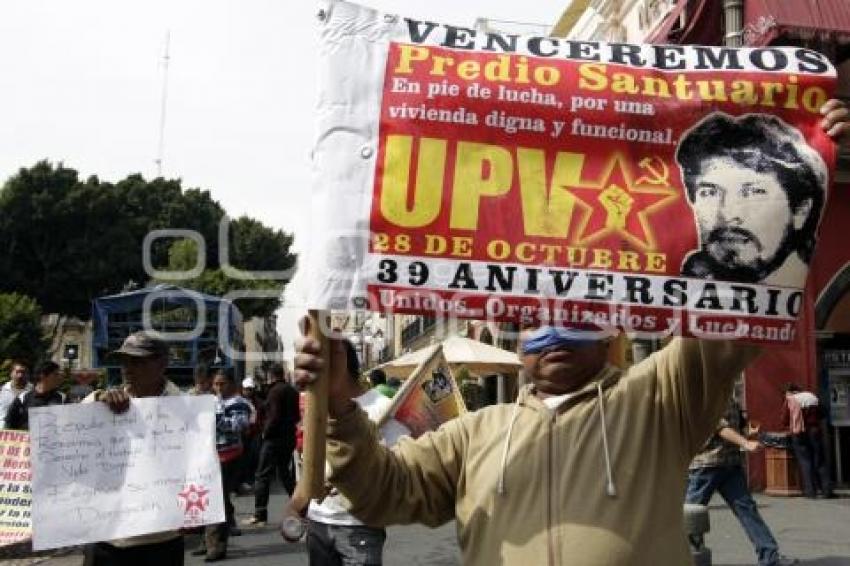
{"type": "Point", "coordinates": [21, 334]}
{"type": "Point", "coordinates": [144, 206]}
{"type": "Point", "coordinates": [268, 250]}
{"type": "Point", "coordinates": [65, 241]}
{"type": "Point", "coordinates": [256, 247]}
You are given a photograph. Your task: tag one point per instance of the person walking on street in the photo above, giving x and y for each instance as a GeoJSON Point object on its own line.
{"type": "Point", "coordinates": [278, 443]}
{"type": "Point", "coordinates": [803, 416]}
{"type": "Point", "coordinates": [44, 393]}
{"type": "Point", "coordinates": [232, 417]}
{"type": "Point", "coordinates": [251, 437]}
{"type": "Point", "coordinates": [143, 358]}
{"type": "Point", "coordinates": [718, 467]}
{"type": "Point", "coordinates": [12, 389]}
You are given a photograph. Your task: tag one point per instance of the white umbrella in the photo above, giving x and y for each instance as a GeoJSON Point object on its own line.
{"type": "Point", "coordinates": [477, 357]}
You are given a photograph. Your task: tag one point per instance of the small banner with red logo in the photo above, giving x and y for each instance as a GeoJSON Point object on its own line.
{"type": "Point", "coordinates": [653, 188]}
{"type": "Point", "coordinates": [15, 487]}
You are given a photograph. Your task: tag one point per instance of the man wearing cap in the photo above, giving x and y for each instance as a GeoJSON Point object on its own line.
{"type": "Point", "coordinates": [143, 358]}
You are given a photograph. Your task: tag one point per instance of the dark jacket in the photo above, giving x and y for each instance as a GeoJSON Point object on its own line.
{"type": "Point", "coordinates": [282, 413]}
{"type": "Point", "coordinates": [18, 416]}
{"type": "Point", "coordinates": [232, 418]}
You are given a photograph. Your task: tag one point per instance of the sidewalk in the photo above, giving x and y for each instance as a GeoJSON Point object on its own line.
{"type": "Point", "coordinates": [815, 531]}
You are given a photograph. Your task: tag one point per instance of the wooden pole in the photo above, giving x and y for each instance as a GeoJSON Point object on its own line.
{"type": "Point", "coordinates": [316, 412]}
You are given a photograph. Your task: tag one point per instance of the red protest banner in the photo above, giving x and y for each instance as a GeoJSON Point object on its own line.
{"type": "Point", "coordinates": [15, 487]}
{"type": "Point", "coordinates": [652, 188]}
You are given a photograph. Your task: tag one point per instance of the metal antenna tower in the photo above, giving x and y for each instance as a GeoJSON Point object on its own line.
{"type": "Point", "coordinates": [166, 57]}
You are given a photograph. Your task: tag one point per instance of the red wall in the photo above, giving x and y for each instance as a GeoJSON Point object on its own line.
{"type": "Point", "coordinates": [798, 363]}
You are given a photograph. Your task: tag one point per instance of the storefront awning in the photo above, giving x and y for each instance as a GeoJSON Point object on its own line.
{"type": "Point", "coordinates": [765, 20]}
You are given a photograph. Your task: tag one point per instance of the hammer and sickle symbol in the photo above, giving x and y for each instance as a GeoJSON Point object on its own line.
{"type": "Point", "coordinates": [657, 171]}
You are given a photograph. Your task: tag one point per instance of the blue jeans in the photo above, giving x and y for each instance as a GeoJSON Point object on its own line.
{"type": "Point", "coordinates": [810, 455]}
{"type": "Point", "coordinates": [342, 545]}
{"type": "Point", "coordinates": [732, 485]}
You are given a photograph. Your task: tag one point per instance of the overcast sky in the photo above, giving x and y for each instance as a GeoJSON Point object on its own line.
{"type": "Point", "coordinates": [81, 82]}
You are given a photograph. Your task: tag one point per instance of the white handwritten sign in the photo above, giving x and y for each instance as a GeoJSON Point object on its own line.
{"type": "Point", "coordinates": [99, 476]}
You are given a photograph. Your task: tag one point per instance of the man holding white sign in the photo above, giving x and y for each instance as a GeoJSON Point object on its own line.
{"type": "Point", "coordinates": [144, 358]}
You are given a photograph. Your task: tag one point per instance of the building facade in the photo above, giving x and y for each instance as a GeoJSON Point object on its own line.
{"type": "Point", "coordinates": [820, 358]}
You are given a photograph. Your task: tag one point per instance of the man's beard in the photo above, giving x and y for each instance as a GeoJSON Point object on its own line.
{"type": "Point", "coordinates": [723, 248]}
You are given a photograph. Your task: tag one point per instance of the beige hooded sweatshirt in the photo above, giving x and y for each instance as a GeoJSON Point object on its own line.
{"type": "Point", "coordinates": [599, 482]}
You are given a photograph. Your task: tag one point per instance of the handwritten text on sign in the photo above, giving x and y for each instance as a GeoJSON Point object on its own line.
{"type": "Point", "coordinates": [99, 476]}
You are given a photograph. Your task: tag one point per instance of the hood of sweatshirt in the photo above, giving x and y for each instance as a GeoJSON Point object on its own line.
{"type": "Point", "coordinates": [528, 397]}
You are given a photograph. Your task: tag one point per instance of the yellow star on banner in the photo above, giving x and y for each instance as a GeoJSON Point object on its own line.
{"type": "Point", "coordinates": [615, 205]}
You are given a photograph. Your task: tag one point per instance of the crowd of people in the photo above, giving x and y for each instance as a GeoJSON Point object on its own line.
{"type": "Point", "coordinates": [563, 469]}
{"type": "Point", "coordinates": [426, 480]}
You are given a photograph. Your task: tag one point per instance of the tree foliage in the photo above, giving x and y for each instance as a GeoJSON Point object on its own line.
{"type": "Point", "coordinates": [254, 247]}
{"type": "Point", "coordinates": [66, 241]}
{"type": "Point", "coordinates": [21, 335]}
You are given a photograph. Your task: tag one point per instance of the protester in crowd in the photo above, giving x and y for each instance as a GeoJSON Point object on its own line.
{"type": "Point", "coordinates": [203, 381]}
{"type": "Point", "coordinates": [584, 462]}
{"type": "Point", "coordinates": [335, 536]}
{"type": "Point", "coordinates": [394, 383]}
{"type": "Point", "coordinates": [45, 392]}
{"type": "Point", "coordinates": [614, 428]}
{"type": "Point", "coordinates": [299, 432]}
{"type": "Point", "coordinates": [803, 416]}
{"type": "Point", "coordinates": [232, 418]}
{"type": "Point", "coordinates": [718, 467]}
{"type": "Point", "coordinates": [278, 443]}
{"type": "Point", "coordinates": [143, 359]}
{"type": "Point", "coordinates": [252, 435]}
{"type": "Point", "coordinates": [378, 379]}
{"type": "Point", "coordinates": [79, 390]}
{"type": "Point", "coordinates": [13, 388]}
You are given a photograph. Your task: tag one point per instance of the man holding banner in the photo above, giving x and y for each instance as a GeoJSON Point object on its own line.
{"type": "Point", "coordinates": [144, 359]}
{"type": "Point", "coordinates": [583, 466]}
{"type": "Point", "coordinates": [529, 179]}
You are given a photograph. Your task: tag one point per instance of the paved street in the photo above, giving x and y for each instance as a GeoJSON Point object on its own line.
{"type": "Point", "coordinates": [817, 532]}
{"type": "Point", "coordinates": [408, 546]}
